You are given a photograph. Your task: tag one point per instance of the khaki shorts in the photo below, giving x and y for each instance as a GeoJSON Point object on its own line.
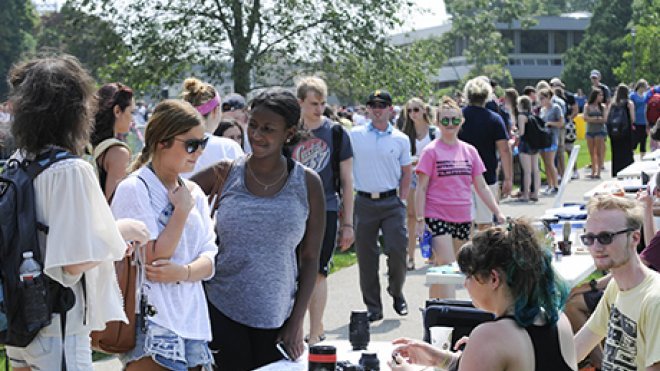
{"type": "Point", "coordinates": [481, 214]}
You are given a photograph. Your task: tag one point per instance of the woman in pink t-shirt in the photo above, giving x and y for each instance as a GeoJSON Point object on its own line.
{"type": "Point", "coordinates": [447, 169]}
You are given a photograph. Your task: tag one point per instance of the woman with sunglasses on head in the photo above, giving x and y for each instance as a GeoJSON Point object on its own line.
{"type": "Point", "coordinates": [447, 169]}
{"type": "Point", "coordinates": [114, 114]}
{"type": "Point", "coordinates": [421, 131]}
{"type": "Point", "coordinates": [181, 250]}
{"type": "Point", "coordinates": [509, 274]}
{"type": "Point", "coordinates": [207, 101]}
{"type": "Point", "coordinates": [270, 223]}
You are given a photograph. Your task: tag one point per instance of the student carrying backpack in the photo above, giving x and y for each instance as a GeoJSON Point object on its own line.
{"type": "Point", "coordinates": [536, 135]}
{"type": "Point", "coordinates": [618, 121]}
{"type": "Point", "coordinates": [29, 298]}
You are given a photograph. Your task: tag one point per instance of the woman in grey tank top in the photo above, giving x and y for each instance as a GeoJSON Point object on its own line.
{"type": "Point", "coordinates": [269, 221]}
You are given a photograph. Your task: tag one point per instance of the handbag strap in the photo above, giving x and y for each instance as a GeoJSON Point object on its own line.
{"type": "Point", "coordinates": [221, 172]}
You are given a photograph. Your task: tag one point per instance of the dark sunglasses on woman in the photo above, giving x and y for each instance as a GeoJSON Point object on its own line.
{"type": "Point", "coordinates": [445, 121]}
{"type": "Point", "coordinates": [192, 145]}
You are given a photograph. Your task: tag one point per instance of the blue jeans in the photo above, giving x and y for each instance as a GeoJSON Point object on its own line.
{"type": "Point", "coordinates": [169, 349]}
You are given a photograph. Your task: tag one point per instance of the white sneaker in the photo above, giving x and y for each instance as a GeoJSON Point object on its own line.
{"type": "Point", "coordinates": [576, 175]}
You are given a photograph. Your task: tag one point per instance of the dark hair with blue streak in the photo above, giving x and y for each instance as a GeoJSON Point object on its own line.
{"type": "Point", "coordinates": [515, 252]}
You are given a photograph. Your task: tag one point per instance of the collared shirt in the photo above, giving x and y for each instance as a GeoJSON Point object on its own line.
{"type": "Point", "coordinates": [378, 157]}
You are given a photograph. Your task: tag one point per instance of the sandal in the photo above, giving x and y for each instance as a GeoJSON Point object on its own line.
{"type": "Point", "coordinates": [411, 264]}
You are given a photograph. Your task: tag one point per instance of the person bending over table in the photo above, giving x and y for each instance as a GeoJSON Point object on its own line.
{"type": "Point", "coordinates": [509, 274]}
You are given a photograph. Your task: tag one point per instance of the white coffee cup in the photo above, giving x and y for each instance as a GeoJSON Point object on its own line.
{"type": "Point", "coordinates": [441, 337]}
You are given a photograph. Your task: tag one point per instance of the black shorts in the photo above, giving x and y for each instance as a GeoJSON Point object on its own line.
{"type": "Point", "coordinates": [438, 227]}
{"type": "Point", "coordinates": [329, 242]}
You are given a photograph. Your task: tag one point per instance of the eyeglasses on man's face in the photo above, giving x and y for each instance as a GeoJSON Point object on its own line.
{"type": "Point", "coordinates": [377, 105]}
{"type": "Point", "coordinates": [603, 238]}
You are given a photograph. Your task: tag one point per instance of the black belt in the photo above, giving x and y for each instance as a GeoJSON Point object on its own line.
{"type": "Point", "coordinates": [377, 195]}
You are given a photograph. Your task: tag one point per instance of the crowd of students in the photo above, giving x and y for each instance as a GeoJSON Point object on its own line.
{"type": "Point", "coordinates": [238, 207]}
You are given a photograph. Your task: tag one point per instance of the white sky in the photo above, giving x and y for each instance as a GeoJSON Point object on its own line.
{"type": "Point", "coordinates": [435, 16]}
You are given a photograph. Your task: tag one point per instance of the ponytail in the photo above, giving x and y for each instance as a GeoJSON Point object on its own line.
{"type": "Point", "coordinates": [142, 159]}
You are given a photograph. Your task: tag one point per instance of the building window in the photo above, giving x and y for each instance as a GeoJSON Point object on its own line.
{"type": "Point", "coordinates": [534, 42]}
{"type": "Point", "coordinates": [577, 37]}
{"type": "Point", "coordinates": [561, 42]}
{"type": "Point", "coordinates": [507, 36]}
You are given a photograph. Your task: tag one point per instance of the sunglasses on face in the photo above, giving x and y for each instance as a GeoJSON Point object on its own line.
{"type": "Point", "coordinates": [604, 238]}
{"type": "Point", "coordinates": [378, 105]}
{"type": "Point", "coordinates": [414, 109]}
{"type": "Point", "coordinates": [192, 145]}
{"type": "Point", "coordinates": [445, 121]}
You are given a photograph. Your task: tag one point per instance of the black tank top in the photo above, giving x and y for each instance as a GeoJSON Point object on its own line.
{"type": "Point", "coordinates": [547, 351]}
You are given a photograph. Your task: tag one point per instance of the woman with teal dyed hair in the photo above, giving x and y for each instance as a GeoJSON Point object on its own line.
{"type": "Point", "coordinates": [509, 274]}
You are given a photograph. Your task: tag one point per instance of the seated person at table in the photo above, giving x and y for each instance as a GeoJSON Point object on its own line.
{"type": "Point", "coordinates": [627, 315]}
{"type": "Point", "coordinates": [583, 299]}
{"type": "Point", "coordinates": [509, 274]}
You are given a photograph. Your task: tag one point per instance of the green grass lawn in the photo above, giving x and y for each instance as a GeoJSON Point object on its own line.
{"type": "Point", "coordinates": [343, 259]}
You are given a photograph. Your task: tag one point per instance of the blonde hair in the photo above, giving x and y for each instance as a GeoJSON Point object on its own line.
{"type": "Point", "coordinates": [447, 102]}
{"type": "Point", "coordinates": [171, 117]}
{"type": "Point", "coordinates": [409, 125]}
{"type": "Point", "coordinates": [631, 208]}
{"type": "Point", "coordinates": [197, 92]}
{"type": "Point", "coordinates": [477, 91]}
{"type": "Point", "coordinates": [313, 84]}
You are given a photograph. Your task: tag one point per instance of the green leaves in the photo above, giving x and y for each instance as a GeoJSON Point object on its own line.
{"type": "Point", "coordinates": [18, 20]}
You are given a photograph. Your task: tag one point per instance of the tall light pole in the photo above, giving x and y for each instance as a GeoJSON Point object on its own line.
{"type": "Point", "coordinates": [633, 31]}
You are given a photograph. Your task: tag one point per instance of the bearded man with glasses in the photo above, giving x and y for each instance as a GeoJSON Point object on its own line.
{"type": "Point", "coordinates": [628, 313]}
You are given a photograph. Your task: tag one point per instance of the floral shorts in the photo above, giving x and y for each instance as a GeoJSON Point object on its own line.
{"type": "Point", "coordinates": [169, 350]}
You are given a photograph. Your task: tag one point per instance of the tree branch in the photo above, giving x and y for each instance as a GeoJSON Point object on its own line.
{"type": "Point", "coordinates": [286, 36]}
{"type": "Point", "coordinates": [225, 23]}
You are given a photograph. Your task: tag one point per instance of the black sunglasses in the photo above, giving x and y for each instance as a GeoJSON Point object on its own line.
{"type": "Point", "coordinates": [414, 109]}
{"type": "Point", "coordinates": [378, 105]}
{"type": "Point", "coordinates": [454, 120]}
{"type": "Point", "coordinates": [192, 145]}
{"type": "Point", "coordinates": [604, 238]}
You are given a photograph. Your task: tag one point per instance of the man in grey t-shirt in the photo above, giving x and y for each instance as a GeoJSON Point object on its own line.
{"type": "Point", "coordinates": [333, 165]}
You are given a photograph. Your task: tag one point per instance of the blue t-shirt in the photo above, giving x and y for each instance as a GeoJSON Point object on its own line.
{"type": "Point", "coordinates": [316, 153]}
{"type": "Point", "coordinates": [640, 102]}
{"type": "Point", "coordinates": [483, 128]}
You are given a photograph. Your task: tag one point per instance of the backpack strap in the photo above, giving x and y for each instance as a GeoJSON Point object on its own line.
{"type": "Point", "coordinates": [221, 172]}
{"type": "Point", "coordinates": [337, 139]}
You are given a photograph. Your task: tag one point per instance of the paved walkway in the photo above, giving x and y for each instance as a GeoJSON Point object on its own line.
{"type": "Point", "coordinates": [344, 293]}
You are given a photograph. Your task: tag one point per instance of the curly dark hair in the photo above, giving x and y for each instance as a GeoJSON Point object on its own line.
{"type": "Point", "coordinates": [515, 252]}
{"type": "Point", "coordinates": [109, 96]}
{"type": "Point", "coordinates": [51, 99]}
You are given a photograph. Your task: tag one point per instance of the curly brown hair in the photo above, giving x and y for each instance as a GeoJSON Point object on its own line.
{"type": "Point", "coordinates": [51, 99]}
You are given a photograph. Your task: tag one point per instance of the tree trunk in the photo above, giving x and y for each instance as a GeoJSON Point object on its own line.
{"type": "Point", "coordinates": [240, 72]}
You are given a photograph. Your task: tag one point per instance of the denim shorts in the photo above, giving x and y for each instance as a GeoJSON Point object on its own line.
{"type": "Point", "coordinates": [169, 350]}
{"type": "Point", "coordinates": [597, 134]}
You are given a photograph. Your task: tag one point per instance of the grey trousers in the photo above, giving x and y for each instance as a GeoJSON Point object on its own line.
{"type": "Point", "coordinates": [388, 215]}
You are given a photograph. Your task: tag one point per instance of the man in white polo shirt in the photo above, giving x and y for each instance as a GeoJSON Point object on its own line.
{"type": "Point", "coordinates": [382, 171]}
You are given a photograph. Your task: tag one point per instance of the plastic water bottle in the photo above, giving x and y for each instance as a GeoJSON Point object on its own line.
{"type": "Point", "coordinates": [425, 244]}
{"type": "Point", "coordinates": [29, 268]}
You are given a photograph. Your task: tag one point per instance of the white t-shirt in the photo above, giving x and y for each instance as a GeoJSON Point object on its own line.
{"type": "Point", "coordinates": [69, 201]}
{"type": "Point", "coordinates": [217, 149]}
{"type": "Point", "coordinates": [181, 307]}
{"type": "Point", "coordinates": [420, 144]}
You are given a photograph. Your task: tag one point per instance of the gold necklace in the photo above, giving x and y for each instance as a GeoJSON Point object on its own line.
{"type": "Point", "coordinates": [265, 186]}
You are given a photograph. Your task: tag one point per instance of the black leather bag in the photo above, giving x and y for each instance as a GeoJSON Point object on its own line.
{"type": "Point", "coordinates": [459, 314]}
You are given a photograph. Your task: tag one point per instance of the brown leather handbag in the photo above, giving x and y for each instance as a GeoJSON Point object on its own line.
{"type": "Point", "coordinates": [119, 337]}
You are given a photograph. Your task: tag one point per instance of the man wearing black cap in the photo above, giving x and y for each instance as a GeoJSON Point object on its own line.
{"type": "Point", "coordinates": [382, 171]}
{"type": "Point", "coordinates": [234, 107]}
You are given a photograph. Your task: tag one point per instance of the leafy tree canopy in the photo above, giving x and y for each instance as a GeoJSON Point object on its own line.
{"type": "Point", "coordinates": [602, 46]}
{"type": "Point", "coordinates": [18, 20]}
{"type": "Point", "coordinates": [646, 20]}
{"type": "Point", "coordinates": [254, 39]}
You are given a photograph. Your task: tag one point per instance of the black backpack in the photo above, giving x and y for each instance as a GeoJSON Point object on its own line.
{"type": "Point", "coordinates": [536, 135]}
{"type": "Point", "coordinates": [28, 306]}
{"type": "Point", "coordinates": [618, 121]}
